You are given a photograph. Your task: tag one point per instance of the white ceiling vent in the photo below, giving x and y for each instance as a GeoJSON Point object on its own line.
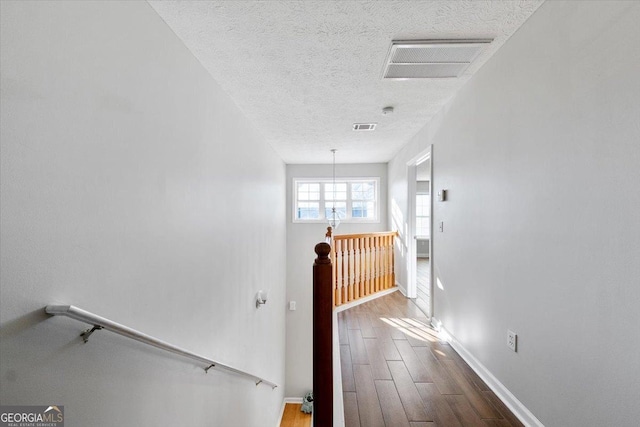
{"type": "Point", "coordinates": [364, 126]}
{"type": "Point", "coordinates": [424, 59]}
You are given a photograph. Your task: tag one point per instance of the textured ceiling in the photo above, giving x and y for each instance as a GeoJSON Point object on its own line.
{"type": "Point", "coordinates": [304, 71]}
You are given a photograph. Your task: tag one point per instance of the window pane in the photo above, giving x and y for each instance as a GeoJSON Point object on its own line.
{"type": "Point", "coordinates": [358, 210]}
{"type": "Point", "coordinates": [368, 191]}
{"type": "Point", "coordinates": [340, 191]}
{"type": "Point", "coordinates": [423, 206]}
{"type": "Point", "coordinates": [363, 191]}
{"type": "Point", "coordinates": [423, 210]}
{"type": "Point", "coordinates": [308, 210]}
{"type": "Point", "coordinates": [422, 227]}
{"type": "Point", "coordinates": [341, 210]}
{"type": "Point", "coordinates": [308, 191]}
{"type": "Point", "coordinates": [363, 210]}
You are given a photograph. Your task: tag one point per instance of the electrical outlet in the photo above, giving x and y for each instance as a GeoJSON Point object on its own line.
{"type": "Point", "coordinates": [512, 340]}
{"type": "Point", "coordinates": [292, 305]}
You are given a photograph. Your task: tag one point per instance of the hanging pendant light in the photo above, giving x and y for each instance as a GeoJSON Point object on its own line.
{"type": "Point", "coordinates": [335, 216]}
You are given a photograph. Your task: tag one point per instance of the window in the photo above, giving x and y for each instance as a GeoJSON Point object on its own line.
{"type": "Point", "coordinates": [356, 199]}
{"type": "Point", "coordinates": [423, 212]}
{"type": "Point", "coordinates": [308, 201]}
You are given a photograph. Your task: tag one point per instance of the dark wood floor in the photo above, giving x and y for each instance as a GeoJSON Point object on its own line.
{"type": "Point", "coordinates": [396, 372]}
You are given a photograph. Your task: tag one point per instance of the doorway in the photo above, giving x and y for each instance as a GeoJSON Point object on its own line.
{"type": "Point", "coordinates": [420, 179]}
{"type": "Point", "coordinates": [422, 236]}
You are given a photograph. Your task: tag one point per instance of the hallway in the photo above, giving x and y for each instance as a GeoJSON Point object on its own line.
{"type": "Point", "coordinates": [396, 372]}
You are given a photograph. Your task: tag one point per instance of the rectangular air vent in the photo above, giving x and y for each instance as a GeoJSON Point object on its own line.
{"type": "Point", "coordinates": [364, 126]}
{"type": "Point", "coordinates": [424, 59]}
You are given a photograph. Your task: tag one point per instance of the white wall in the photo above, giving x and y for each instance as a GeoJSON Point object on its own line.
{"type": "Point", "coordinates": [541, 158]}
{"type": "Point", "coordinates": [301, 240]}
{"type": "Point", "coordinates": [398, 207]}
{"type": "Point", "coordinates": [134, 188]}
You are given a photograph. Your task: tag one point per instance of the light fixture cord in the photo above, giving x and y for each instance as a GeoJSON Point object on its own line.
{"type": "Point", "coordinates": [334, 184]}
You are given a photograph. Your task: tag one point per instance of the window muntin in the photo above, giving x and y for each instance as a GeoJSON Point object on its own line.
{"type": "Point", "coordinates": [308, 206]}
{"type": "Point", "coordinates": [356, 199]}
{"type": "Point", "coordinates": [363, 196]}
{"type": "Point", "coordinates": [423, 212]}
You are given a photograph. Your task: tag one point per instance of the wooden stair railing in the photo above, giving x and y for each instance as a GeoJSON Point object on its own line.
{"type": "Point", "coordinates": [347, 267]}
{"type": "Point", "coordinates": [363, 264]}
{"type": "Point", "coordinates": [322, 337]}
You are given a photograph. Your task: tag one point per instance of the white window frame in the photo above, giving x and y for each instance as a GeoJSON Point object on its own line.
{"type": "Point", "coordinates": [323, 204]}
{"type": "Point", "coordinates": [427, 217]}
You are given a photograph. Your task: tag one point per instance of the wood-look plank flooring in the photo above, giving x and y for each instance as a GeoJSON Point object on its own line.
{"type": "Point", "coordinates": [423, 282]}
{"type": "Point", "coordinates": [396, 372]}
{"type": "Point", "coordinates": [294, 417]}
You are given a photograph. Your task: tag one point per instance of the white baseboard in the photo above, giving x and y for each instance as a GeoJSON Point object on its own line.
{"type": "Point", "coordinates": [519, 410]}
{"type": "Point", "coordinates": [402, 289]}
{"type": "Point", "coordinates": [338, 402]}
{"type": "Point", "coordinates": [365, 299]}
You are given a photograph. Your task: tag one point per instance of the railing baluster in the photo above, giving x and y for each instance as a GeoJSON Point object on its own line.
{"type": "Point", "coordinates": [385, 261]}
{"type": "Point", "coordinates": [348, 275]}
{"type": "Point", "coordinates": [344, 273]}
{"type": "Point", "coordinates": [362, 265]}
{"type": "Point", "coordinates": [380, 269]}
{"type": "Point", "coordinates": [380, 266]}
{"type": "Point", "coordinates": [352, 282]}
{"type": "Point", "coordinates": [368, 262]}
{"type": "Point", "coordinates": [389, 261]}
{"type": "Point", "coordinates": [334, 278]}
{"type": "Point", "coordinates": [338, 270]}
{"type": "Point", "coordinates": [374, 268]}
{"type": "Point", "coordinates": [381, 258]}
{"type": "Point", "coordinates": [359, 264]}
{"type": "Point", "coordinates": [383, 284]}
{"type": "Point", "coordinates": [393, 260]}
{"type": "Point", "coordinates": [356, 294]}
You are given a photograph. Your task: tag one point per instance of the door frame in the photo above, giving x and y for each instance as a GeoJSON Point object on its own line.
{"type": "Point", "coordinates": [412, 246]}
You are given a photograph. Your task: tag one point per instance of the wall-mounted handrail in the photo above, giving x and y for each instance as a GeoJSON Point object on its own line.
{"type": "Point", "coordinates": [99, 323]}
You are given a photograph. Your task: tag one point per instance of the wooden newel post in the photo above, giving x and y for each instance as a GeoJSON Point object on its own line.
{"type": "Point", "coordinates": [322, 338]}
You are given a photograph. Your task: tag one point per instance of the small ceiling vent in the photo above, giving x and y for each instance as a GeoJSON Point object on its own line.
{"type": "Point", "coordinates": [364, 126]}
{"type": "Point", "coordinates": [425, 59]}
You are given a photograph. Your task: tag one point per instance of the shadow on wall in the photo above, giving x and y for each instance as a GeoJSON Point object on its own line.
{"type": "Point", "coordinates": [400, 226]}
{"type": "Point", "coordinates": [22, 323]}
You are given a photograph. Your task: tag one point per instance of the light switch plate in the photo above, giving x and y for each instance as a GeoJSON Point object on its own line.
{"type": "Point", "coordinates": [512, 340]}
